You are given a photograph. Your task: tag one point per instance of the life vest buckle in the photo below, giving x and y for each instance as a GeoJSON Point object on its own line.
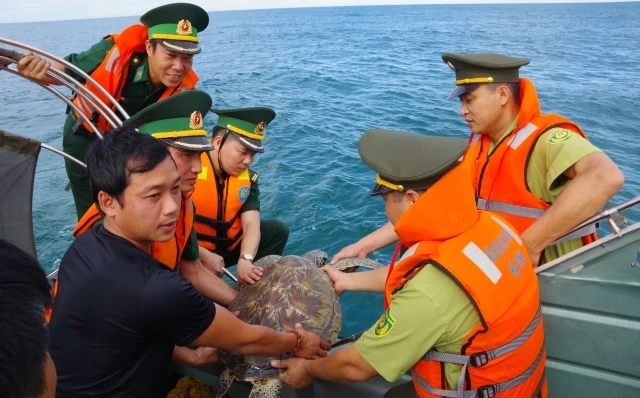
{"type": "Point", "coordinates": [487, 392]}
{"type": "Point", "coordinates": [480, 359]}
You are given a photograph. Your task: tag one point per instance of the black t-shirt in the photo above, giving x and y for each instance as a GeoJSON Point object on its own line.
{"type": "Point", "coordinates": [116, 318]}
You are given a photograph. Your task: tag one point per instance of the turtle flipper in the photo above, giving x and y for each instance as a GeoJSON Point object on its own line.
{"type": "Point", "coordinates": [269, 388]}
{"type": "Point", "coordinates": [222, 385]}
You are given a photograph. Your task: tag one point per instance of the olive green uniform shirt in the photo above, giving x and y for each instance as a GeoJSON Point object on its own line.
{"type": "Point", "coordinates": [545, 173]}
{"type": "Point", "coordinates": [430, 311]}
{"type": "Point", "coordinates": [253, 201]}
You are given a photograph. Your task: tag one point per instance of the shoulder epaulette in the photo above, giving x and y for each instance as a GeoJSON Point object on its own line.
{"type": "Point", "coordinates": [253, 176]}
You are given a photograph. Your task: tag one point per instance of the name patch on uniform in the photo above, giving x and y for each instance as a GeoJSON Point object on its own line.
{"type": "Point", "coordinates": [203, 174]}
{"type": "Point", "coordinates": [385, 324]}
{"type": "Point", "coordinates": [560, 136]}
{"type": "Point", "coordinates": [243, 194]}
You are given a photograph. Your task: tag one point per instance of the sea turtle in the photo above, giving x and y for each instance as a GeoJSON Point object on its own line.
{"type": "Point", "coordinates": [292, 290]}
{"type": "Point", "coordinates": [350, 264]}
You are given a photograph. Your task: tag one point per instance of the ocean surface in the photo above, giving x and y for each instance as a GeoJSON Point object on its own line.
{"type": "Point", "coordinates": [333, 73]}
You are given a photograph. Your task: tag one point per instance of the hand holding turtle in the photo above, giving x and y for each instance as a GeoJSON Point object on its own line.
{"type": "Point", "coordinates": [354, 250]}
{"type": "Point", "coordinates": [248, 273]}
{"type": "Point", "coordinates": [309, 346]}
{"type": "Point", "coordinates": [295, 374]}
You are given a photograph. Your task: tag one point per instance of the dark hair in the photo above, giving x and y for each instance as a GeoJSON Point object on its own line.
{"type": "Point", "coordinates": [217, 130]}
{"type": "Point", "coordinates": [24, 295]}
{"type": "Point", "coordinates": [154, 44]}
{"type": "Point", "coordinates": [123, 151]}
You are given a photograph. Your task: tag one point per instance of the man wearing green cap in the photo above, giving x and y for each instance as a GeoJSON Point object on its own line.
{"type": "Point", "coordinates": [536, 170]}
{"type": "Point", "coordinates": [178, 123]}
{"type": "Point", "coordinates": [227, 197]}
{"type": "Point", "coordinates": [143, 64]}
{"type": "Point", "coordinates": [441, 318]}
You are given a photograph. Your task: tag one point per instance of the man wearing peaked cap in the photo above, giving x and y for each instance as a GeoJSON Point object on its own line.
{"type": "Point", "coordinates": [227, 197]}
{"type": "Point", "coordinates": [441, 293]}
{"type": "Point", "coordinates": [559, 167]}
{"type": "Point", "coordinates": [531, 168]}
{"type": "Point", "coordinates": [178, 122]}
{"type": "Point", "coordinates": [143, 64]}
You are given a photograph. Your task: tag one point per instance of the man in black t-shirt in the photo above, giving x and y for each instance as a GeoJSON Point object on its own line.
{"type": "Point", "coordinates": [119, 312]}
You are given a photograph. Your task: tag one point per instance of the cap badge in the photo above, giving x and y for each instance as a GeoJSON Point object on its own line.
{"type": "Point", "coordinates": [195, 121]}
{"type": "Point", "coordinates": [259, 128]}
{"type": "Point", "coordinates": [184, 27]}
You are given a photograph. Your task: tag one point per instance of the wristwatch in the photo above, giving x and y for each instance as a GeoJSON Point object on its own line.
{"type": "Point", "coordinates": [248, 256]}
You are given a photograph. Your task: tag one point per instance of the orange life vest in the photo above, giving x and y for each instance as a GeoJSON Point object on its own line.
{"type": "Point", "coordinates": [218, 223]}
{"type": "Point", "coordinates": [169, 252]}
{"type": "Point", "coordinates": [112, 74]}
{"type": "Point", "coordinates": [503, 355]}
{"type": "Point", "coordinates": [500, 179]}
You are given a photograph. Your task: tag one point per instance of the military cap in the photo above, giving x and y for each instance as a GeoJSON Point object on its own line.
{"type": "Point", "coordinates": [474, 69]}
{"type": "Point", "coordinates": [177, 120]}
{"type": "Point", "coordinates": [408, 160]}
{"type": "Point", "coordinates": [176, 26]}
{"type": "Point", "coordinates": [248, 125]}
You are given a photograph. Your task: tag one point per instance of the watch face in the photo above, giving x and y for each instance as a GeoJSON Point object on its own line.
{"type": "Point", "coordinates": [247, 257]}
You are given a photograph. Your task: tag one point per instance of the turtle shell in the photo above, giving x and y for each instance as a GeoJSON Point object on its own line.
{"type": "Point", "coordinates": [292, 290]}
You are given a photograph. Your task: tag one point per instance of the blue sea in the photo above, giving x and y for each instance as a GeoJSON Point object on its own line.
{"type": "Point", "coordinates": [333, 73]}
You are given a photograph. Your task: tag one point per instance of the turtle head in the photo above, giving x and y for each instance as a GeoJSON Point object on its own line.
{"type": "Point", "coordinates": [317, 258]}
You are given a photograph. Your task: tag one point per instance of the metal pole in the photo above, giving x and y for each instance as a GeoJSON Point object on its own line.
{"type": "Point", "coordinates": [66, 155]}
{"type": "Point", "coordinates": [7, 56]}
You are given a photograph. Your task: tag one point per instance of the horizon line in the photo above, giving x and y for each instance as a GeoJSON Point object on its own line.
{"type": "Point", "coordinates": [488, 2]}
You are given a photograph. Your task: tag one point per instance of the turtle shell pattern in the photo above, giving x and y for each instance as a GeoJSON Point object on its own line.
{"type": "Point", "coordinates": [292, 290]}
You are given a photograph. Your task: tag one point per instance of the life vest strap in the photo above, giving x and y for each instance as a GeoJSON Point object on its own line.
{"type": "Point", "coordinates": [213, 223]}
{"type": "Point", "coordinates": [508, 208]}
{"type": "Point", "coordinates": [486, 391]}
{"type": "Point", "coordinates": [481, 359]}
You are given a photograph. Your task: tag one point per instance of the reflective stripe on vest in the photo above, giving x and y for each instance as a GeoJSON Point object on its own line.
{"type": "Point", "coordinates": [530, 212]}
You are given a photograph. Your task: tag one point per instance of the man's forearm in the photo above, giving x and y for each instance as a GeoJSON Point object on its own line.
{"type": "Point", "coordinates": [368, 281]}
{"type": "Point", "coordinates": [378, 239]}
{"type": "Point", "coordinates": [344, 366]}
{"type": "Point", "coordinates": [250, 240]}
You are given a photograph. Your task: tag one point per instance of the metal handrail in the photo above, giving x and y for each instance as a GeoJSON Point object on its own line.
{"type": "Point", "coordinates": [77, 70]}
{"type": "Point", "coordinates": [613, 217]}
{"type": "Point", "coordinates": [75, 86]}
{"type": "Point", "coordinates": [9, 56]}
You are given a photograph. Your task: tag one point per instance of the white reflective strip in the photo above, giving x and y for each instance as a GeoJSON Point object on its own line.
{"type": "Point", "coordinates": [521, 135]}
{"type": "Point", "coordinates": [479, 258]}
{"type": "Point", "coordinates": [511, 232]}
{"type": "Point", "coordinates": [409, 252]}
{"type": "Point", "coordinates": [114, 55]}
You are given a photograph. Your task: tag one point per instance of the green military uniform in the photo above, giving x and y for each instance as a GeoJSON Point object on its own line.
{"type": "Point", "coordinates": [431, 310]}
{"type": "Point", "coordinates": [247, 126]}
{"type": "Point", "coordinates": [137, 92]}
{"type": "Point", "coordinates": [178, 121]}
{"type": "Point", "coordinates": [550, 158]}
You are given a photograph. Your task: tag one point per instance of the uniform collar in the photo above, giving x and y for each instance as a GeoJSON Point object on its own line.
{"type": "Point", "coordinates": [142, 71]}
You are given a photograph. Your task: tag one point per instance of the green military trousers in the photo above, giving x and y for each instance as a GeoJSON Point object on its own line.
{"type": "Point", "coordinates": [76, 144]}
